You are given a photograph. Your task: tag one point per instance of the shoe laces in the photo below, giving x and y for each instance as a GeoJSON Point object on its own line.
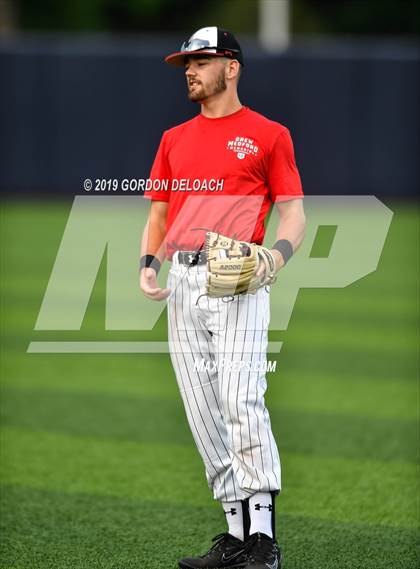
{"type": "Point", "coordinates": [219, 539]}
{"type": "Point", "coordinates": [258, 547]}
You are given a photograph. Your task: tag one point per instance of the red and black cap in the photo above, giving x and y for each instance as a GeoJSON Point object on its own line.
{"type": "Point", "coordinates": [213, 41]}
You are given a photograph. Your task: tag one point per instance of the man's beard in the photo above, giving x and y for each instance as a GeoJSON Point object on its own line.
{"type": "Point", "coordinates": [201, 93]}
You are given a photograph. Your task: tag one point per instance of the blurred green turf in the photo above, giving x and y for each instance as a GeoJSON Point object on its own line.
{"type": "Point", "coordinates": [98, 466]}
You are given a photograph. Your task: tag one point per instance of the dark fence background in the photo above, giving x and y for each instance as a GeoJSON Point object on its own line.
{"type": "Point", "coordinates": [95, 107]}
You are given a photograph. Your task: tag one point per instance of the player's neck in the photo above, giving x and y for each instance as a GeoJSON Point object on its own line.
{"type": "Point", "coordinates": [220, 106]}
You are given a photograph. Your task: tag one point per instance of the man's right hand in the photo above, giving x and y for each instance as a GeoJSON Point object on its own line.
{"type": "Point", "coordinates": [149, 285]}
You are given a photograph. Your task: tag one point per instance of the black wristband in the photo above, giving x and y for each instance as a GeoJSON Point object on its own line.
{"type": "Point", "coordinates": [150, 261]}
{"type": "Point", "coordinates": [284, 247]}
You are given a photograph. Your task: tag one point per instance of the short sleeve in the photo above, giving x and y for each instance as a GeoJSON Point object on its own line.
{"type": "Point", "coordinates": [160, 174]}
{"type": "Point", "coordinates": [283, 176]}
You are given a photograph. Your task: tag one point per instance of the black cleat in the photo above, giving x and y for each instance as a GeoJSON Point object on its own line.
{"type": "Point", "coordinates": [263, 552]}
{"type": "Point", "coordinates": [227, 551]}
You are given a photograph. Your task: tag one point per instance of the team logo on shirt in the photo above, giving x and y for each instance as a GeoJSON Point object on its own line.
{"type": "Point", "coordinates": [242, 146]}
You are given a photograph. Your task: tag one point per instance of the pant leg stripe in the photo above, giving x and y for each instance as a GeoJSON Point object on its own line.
{"type": "Point", "coordinates": [247, 407]}
{"type": "Point", "coordinates": [237, 389]}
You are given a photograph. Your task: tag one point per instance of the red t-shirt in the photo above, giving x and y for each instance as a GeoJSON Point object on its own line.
{"type": "Point", "coordinates": [222, 174]}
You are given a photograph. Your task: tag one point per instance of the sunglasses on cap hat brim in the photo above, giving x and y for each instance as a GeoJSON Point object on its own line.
{"type": "Point", "coordinates": [198, 47]}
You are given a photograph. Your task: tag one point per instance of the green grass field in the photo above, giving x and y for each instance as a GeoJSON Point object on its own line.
{"type": "Point", "coordinates": [98, 467]}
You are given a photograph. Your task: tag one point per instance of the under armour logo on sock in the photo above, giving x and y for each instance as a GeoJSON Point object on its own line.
{"type": "Point", "coordinates": [232, 511]}
{"type": "Point", "coordinates": [261, 506]}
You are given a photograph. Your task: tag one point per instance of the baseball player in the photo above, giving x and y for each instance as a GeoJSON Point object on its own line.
{"type": "Point", "coordinates": [220, 173]}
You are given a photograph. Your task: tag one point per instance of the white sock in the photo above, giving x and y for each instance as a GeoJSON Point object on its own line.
{"type": "Point", "coordinates": [234, 518]}
{"type": "Point", "coordinates": [260, 512]}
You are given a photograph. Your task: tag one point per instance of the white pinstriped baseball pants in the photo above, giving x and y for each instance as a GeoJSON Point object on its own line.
{"type": "Point", "coordinates": [224, 405]}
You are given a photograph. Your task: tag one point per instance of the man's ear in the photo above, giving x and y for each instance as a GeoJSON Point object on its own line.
{"type": "Point", "coordinates": [232, 68]}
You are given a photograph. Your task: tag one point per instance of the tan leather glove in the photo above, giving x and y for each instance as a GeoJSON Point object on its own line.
{"type": "Point", "coordinates": [231, 266]}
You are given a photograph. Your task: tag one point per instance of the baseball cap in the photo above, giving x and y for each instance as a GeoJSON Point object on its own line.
{"type": "Point", "coordinates": [212, 41]}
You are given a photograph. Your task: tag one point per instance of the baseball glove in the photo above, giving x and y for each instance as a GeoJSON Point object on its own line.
{"type": "Point", "coordinates": [231, 266]}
